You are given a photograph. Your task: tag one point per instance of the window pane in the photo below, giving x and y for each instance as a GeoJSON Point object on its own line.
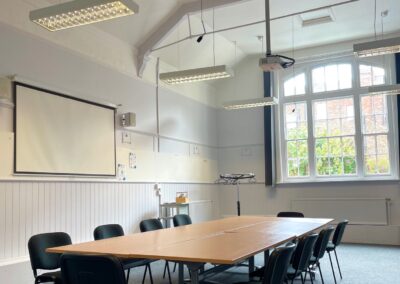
{"type": "Point", "coordinates": [365, 76]}
{"type": "Point", "coordinates": [296, 139]}
{"type": "Point", "coordinates": [295, 86]}
{"type": "Point", "coordinates": [318, 78]}
{"type": "Point", "coordinates": [374, 114]}
{"type": "Point", "coordinates": [376, 152]}
{"type": "Point", "coordinates": [345, 76]}
{"type": "Point", "coordinates": [323, 166]}
{"type": "Point", "coordinates": [335, 148]}
{"type": "Point", "coordinates": [378, 76]}
{"type": "Point", "coordinates": [370, 75]}
{"type": "Point", "coordinates": [332, 77]}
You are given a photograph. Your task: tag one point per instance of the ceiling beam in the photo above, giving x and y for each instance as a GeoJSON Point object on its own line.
{"type": "Point", "coordinates": [170, 24]}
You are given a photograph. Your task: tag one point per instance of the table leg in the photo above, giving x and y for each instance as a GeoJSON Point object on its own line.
{"type": "Point", "coordinates": [194, 272]}
{"type": "Point", "coordinates": [251, 264]}
{"type": "Point", "coordinates": [266, 257]}
{"type": "Point", "coordinates": [180, 273]}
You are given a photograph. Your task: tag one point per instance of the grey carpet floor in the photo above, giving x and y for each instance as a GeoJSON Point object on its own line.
{"type": "Point", "coordinates": [359, 263]}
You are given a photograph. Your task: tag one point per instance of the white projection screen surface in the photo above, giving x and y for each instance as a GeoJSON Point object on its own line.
{"type": "Point", "coordinates": [61, 135]}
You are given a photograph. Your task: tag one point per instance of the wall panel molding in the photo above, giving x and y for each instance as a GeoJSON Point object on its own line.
{"type": "Point", "coordinates": [32, 207]}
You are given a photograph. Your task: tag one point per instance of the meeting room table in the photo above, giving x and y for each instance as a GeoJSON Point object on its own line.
{"type": "Point", "coordinates": [224, 243]}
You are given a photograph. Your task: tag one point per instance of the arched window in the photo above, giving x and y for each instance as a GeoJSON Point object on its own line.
{"type": "Point", "coordinates": [295, 85]}
{"type": "Point", "coordinates": [332, 77]}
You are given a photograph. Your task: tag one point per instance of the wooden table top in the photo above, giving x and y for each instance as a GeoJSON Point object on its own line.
{"type": "Point", "coordinates": [224, 241]}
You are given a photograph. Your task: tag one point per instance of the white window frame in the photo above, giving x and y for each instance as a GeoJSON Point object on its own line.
{"type": "Point", "coordinates": [356, 92]}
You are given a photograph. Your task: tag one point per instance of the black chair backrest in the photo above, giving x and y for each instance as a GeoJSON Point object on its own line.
{"type": "Point", "coordinates": [150, 225]}
{"type": "Point", "coordinates": [91, 269]}
{"type": "Point", "coordinates": [37, 246]}
{"type": "Point", "coordinates": [338, 235]}
{"type": "Point", "coordinates": [290, 214]}
{"type": "Point", "coordinates": [278, 263]}
{"type": "Point", "coordinates": [322, 242]}
{"type": "Point", "coordinates": [303, 252]}
{"type": "Point", "coordinates": [108, 231]}
{"type": "Point", "coordinates": [182, 220]}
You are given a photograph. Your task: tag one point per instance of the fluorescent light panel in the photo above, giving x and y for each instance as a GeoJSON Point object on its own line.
{"type": "Point", "coordinates": [384, 90]}
{"type": "Point", "coordinates": [377, 47]}
{"type": "Point", "coordinates": [81, 12]}
{"type": "Point", "coordinates": [252, 103]}
{"type": "Point", "coordinates": [196, 75]}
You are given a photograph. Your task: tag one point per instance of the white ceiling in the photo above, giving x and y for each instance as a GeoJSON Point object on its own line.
{"type": "Point", "coordinates": [352, 21]}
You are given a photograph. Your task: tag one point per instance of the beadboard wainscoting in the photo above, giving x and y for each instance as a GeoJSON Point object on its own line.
{"type": "Point", "coordinates": [29, 208]}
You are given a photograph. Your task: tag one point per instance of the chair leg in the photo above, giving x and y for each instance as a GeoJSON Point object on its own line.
{"type": "Point", "coordinates": [309, 272]}
{"type": "Point", "coordinates": [169, 273]}
{"type": "Point", "coordinates": [320, 273]}
{"type": "Point", "coordinates": [150, 274]}
{"type": "Point", "coordinates": [333, 271]}
{"type": "Point", "coordinates": [165, 269]}
{"type": "Point", "coordinates": [175, 265]}
{"type": "Point", "coordinates": [144, 274]}
{"type": "Point", "coordinates": [337, 261]}
{"type": "Point", "coordinates": [127, 276]}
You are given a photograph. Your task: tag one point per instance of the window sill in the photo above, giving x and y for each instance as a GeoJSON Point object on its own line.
{"type": "Point", "coordinates": [339, 181]}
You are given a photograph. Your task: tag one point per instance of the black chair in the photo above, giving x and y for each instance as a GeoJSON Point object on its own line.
{"type": "Point", "coordinates": [182, 220]}
{"type": "Point", "coordinates": [150, 225]}
{"type": "Point", "coordinates": [115, 230]}
{"type": "Point", "coordinates": [290, 214]}
{"type": "Point", "coordinates": [90, 269]}
{"type": "Point", "coordinates": [154, 225]}
{"type": "Point", "coordinates": [42, 260]}
{"type": "Point", "coordinates": [277, 265]}
{"type": "Point", "coordinates": [301, 258]}
{"type": "Point", "coordinates": [336, 241]}
{"type": "Point", "coordinates": [320, 248]}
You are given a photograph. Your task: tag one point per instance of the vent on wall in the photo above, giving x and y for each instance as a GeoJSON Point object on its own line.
{"type": "Point", "coordinates": [318, 17]}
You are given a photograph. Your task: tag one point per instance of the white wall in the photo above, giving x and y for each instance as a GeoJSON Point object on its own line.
{"type": "Point", "coordinates": [31, 205]}
{"type": "Point", "coordinates": [240, 135]}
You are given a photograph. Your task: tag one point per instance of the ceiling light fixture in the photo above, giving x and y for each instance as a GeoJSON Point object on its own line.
{"type": "Point", "coordinates": [81, 12]}
{"type": "Point", "coordinates": [377, 47]}
{"type": "Point", "coordinates": [251, 103]}
{"type": "Point", "coordinates": [384, 90]}
{"type": "Point", "coordinates": [196, 75]}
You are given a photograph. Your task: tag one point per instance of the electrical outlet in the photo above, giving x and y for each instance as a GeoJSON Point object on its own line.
{"type": "Point", "coordinates": [126, 137]}
{"type": "Point", "coordinates": [132, 160]}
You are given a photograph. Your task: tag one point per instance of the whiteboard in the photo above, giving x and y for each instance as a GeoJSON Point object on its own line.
{"type": "Point", "coordinates": [62, 135]}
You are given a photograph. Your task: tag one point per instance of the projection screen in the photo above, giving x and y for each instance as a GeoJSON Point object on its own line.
{"type": "Point", "coordinates": [57, 134]}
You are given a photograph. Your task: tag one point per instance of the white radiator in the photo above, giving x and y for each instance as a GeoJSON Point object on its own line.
{"type": "Point", "coordinates": [359, 211]}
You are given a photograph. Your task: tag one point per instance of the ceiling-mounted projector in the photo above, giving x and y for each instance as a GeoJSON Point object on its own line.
{"type": "Point", "coordinates": [272, 63]}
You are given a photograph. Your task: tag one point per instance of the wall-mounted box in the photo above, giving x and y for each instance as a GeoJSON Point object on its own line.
{"type": "Point", "coordinates": [128, 119]}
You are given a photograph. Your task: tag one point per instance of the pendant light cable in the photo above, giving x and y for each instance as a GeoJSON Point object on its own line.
{"type": "Point", "coordinates": [214, 34]}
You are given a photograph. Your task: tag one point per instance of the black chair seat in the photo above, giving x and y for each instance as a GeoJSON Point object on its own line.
{"type": "Point", "coordinates": [258, 273]}
{"type": "Point", "coordinates": [291, 272]}
{"type": "Point", "coordinates": [132, 263]}
{"type": "Point", "coordinates": [54, 276]}
{"type": "Point", "coordinates": [330, 247]}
